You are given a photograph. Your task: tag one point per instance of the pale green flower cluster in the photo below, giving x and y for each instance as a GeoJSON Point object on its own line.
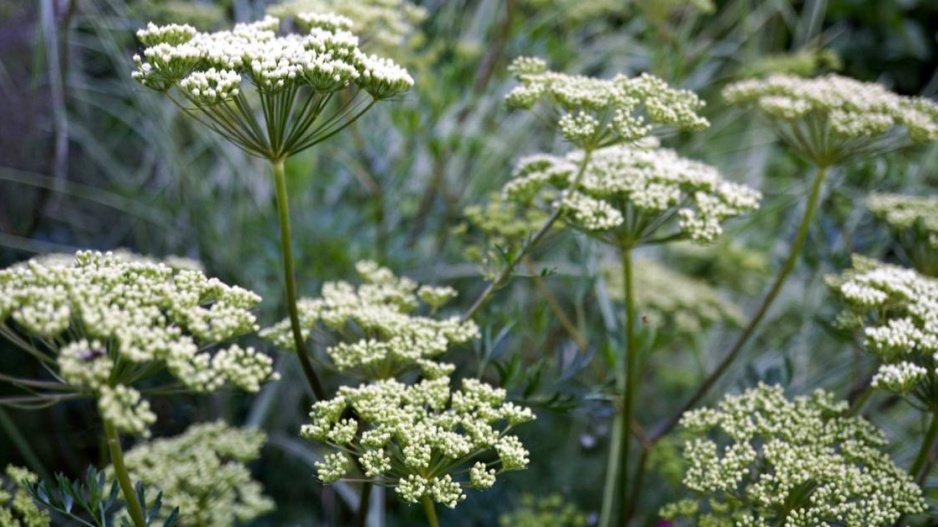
{"type": "Point", "coordinates": [386, 23]}
{"type": "Point", "coordinates": [203, 473]}
{"type": "Point", "coordinates": [419, 438]}
{"type": "Point", "coordinates": [594, 113]}
{"type": "Point", "coordinates": [495, 226]}
{"type": "Point", "coordinates": [673, 302]}
{"type": "Point", "coordinates": [907, 213]}
{"type": "Point", "coordinates": [106, 322]}
{"type": "Point", "coordinates": [548, 511]}
{"type": "Point", "coordinates": [17, 508]}
{"type": "Point", "coordinates": [379, 334]}
{"type": "Point", "coordinates": [209, 67]}
{"type": "Point", "coordinates": [896, 310]}
{"type": "Point", "coordinates": [758, 459]}
{"type": "Point", "coordinates": [836, 116]}
{"type": "Point", "coordinates": [631, 195]}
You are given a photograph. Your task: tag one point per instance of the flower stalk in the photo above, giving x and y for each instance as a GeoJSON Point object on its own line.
{"type": "Point", "coordinates": [928, 442]}
{"type": "Point", "coordinates": [793, 253]}
{"type": "Point", "coordinates": [431, 512]}
{"type": "Point", "coordinates": [123, 478]}
{"type": "Point", "coordinates": [289, 275]}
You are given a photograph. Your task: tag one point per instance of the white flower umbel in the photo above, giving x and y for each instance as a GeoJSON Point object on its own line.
{"type": "Point", "coordinates": [895, 310]}
{"type": "Point", "coordinates": [203, 473]}
{"type": "Point", "coordinates": [630, 195]}
{"type": "Point", "coordinates": [673, 302]}
{"type": "Point", "coordinates": [293, 78]}
{"type": "Point", "coordinates": [760, 459]}
{"type": "Point", "coordinates": [553, 510]}
{"type": "Point", "coordinates": [830, 118]}
{"type": "Point", "coordinates": [914, 221]}
{"type": "Point", "coordinates": [383, 24]}
{"type": "Point", "coordinates": [420, 438]}
{"type": "Point", "coordinates": [17, 508]}
{"type": "Point", "coordinates": [377, 333]}
{"type": "Point", "coordinates": [108, 322]}
{"type": "Point", "coordinates": [594, 113]}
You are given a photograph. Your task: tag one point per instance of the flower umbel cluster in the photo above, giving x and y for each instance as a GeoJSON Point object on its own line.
{"type": "Point", "coordinates": [914, 220]}
{"type": "Point", "coordinates": [668, 299]}
{"type": "Point", "coordinates": [594, 113]}
{"type": "Point", "coordinates": [831, 117]}
{"type": "Point", "coordinates": [761, 460]}
{"type": "Point", "coordinates": [294, 78]}
{"type": "Point", "coordinates": [896, 311]}
{"type": "Point", "coordinates": [549, 511]}
{"type": "Point", "coordinates": [630, 195]}
{"type": "Point", "coordinates": [379, 335]}
{"type": "Point", "coordinates": [106, 323]}
{"type": "Point", "coordinates": [421, 438]}
{"type": "Point", "coordinates": [17, 508]}
{"type": "Point", "coordinates": [382, 23]}
{"type": "Point", "coordinates": [203, 473]}
{"type": "Point", "coordinates": [495, 227]}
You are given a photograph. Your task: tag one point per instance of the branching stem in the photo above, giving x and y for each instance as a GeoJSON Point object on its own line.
{"type": "Point", "coordinates": [787, 267]}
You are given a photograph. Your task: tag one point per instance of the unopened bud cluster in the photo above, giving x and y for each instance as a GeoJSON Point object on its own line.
{"type": "Point", "coordinates": [109, 321]}
{"type": "Point", "coordinates": [759, 459]}
{"type": "Point", "coordinates": [379, 334]}
{"type": "Point", "coordinates": [896, 312]}
{"type": "Point", "coordinates": [633, 193]}
{"type": "Point", "coordinates": [420, 438]}
{"type": "Point", "coordinates": [203, 473]}
{"type": "Point", "coordinates": [592, 113]}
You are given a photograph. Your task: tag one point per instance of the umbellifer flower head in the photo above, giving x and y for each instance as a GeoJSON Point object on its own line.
{"type": "Point", "coordinates": [548, 511]}
{"type": "Point", "coordinates": [296, 74]}
{"type": "Point", "coordinates": [382, 23]}
{"type": "Point", "coordinates": [634, 195]}
{"type": "Point", "coordinates": [203, 473]}
{"type": "Point", "coordinates": [914, 220]}
{"type": "Point", "coordinates": [896, 312]}
{"type": "Point", "coordinates": [107, 322]}
{"type": "Point", "coordinates": [758, 459]}
{"type": "Point", "coordinates": [415, 438]}
{"type": "Point", "coordinates": [380, 336]}
{"type": "Point", "coordinates": [832, 117]}
{"type": "Point", "coordinates": [17, 508]}
{"type": "Point", "coordinates": [593, 113]}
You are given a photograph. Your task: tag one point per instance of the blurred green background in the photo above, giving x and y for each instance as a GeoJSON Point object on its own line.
{"type": "Point", "coordinates": [90, 159]}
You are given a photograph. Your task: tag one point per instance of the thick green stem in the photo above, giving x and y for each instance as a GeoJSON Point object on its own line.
{"type": "Point", "coordinates": [289, 275]}
{"type": "Point", "coordinates": [790, 261]}
{"type": "Point", "coordinates": [123, 478]}
{"type": "Point", "coordinates": [612, 472]}
{"type": "Point", "coordinates": [431, 512]}
{"type": "Point", "coordinates": [630, 365]}
{"type": "Point", "coordinates": [927, 444]}
{"type": "Point", "coordinates": [626, 385]}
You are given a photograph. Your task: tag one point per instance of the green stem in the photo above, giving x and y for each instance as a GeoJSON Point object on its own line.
{"type": "Point", "coordinates": [123, 478]}
{"type": "Point", "coordinates": [528, 245]}
{"type": "Point", "coordinates": [612, 472]}
{"type": "Point", "coordinates": [625, 384]}
{"type": "Point", "coordinates": [926, 448]}
{"type": "Point", "coordinates": [289, 274]}
{"type": "Point", "coordinates": [787, 267]}
{"type": "Point", "coordinates": [431, 512]}
{"type": "Point", "coordinates": [630, 365]}
{"type": "Point", "coordinates": [361, 518]}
